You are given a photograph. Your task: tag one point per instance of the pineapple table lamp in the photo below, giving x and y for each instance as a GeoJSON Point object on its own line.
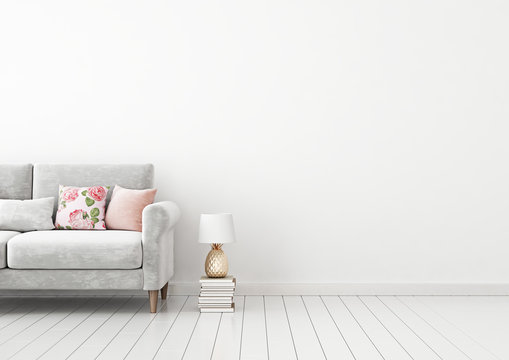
{"type": "Point", "coordinates": [216, 229]}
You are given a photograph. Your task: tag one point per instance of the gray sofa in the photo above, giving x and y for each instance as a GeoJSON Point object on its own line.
{"type": "Point", "coordinates": [87, 259]}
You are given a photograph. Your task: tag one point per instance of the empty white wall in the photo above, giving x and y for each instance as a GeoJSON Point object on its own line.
{"type": "Point", "coordinates": [354, 141]}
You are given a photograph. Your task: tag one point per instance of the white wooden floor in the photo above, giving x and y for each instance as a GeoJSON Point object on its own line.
{"type": "Point", "coordinates": [288, 327]}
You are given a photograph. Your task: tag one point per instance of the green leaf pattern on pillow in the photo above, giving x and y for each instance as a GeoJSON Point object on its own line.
{"type": "Point", "coordinates": [81, 208]}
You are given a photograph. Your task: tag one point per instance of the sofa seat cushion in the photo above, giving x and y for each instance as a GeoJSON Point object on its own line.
{"type": "Point", "coordinates": [77, 249]}
{"type": "Point", "coordinates": [4, 238]}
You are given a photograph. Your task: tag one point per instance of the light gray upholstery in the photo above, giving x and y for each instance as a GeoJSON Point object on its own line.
{"type": "Point", "coordinates": [75, 249]}
{"type": "Point", "coordinates": [47, 177]}
{"type": "Point", "coordinates": [159, 221]}
{"type": "Point", "coordinates": [4, 237]}
{"type": "Point", "coordinates": [26, 215]}
{"type": "Point", "coordinates": [71, 279]}
{"type": "Point", "coordinates": [16, 181]}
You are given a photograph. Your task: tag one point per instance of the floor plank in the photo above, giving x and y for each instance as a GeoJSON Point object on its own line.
{"type": "Point", "coordinates": [382, 339]}
{"type": "Point", "coordinates": [444, 347]}
{"type": "Point", "coordinates": [357, 340]}
{"type": "Point", "coordinates": [21, 309]}
{"type": "Point", "coordinates": [227, 345]}
{"type": "Point", "coordinates": [202, 340]}
{"type": "Point", "coordinates": [483, 318]}
{"type": "Point", "coordinates": [276, 327]}
{"type": "Point", "coordinates": [121, 344]}
{"type": "Point", "coordinates": [8, 304]}
{"type": "Point", "coordinates": [41, 308]}
{"type": "Point", "coordinates": [413, 344]}
{"type": "Point", "coordinates": [41, 344]}
{"type": "Point", "coordinates": [154, 335]}
{"type": "Point", "coordinates": [441, 321]}
{"type": "Point", "coordinates": [331, 339]}
{"type": "Point", "coordinates": [174, 345]}
{"type": "Point", "coordinates": [279, 336]}
{"type": "Point", "coordinates": [305, 338]}
{"type": "Point", "coordinates": [97, 341]}
{"type": "Point", "coordinates": [36, 330]}
{"type": "Point", "coordinates": [78, 335]}
{"type": "Point", "coordinates": [254, 336]}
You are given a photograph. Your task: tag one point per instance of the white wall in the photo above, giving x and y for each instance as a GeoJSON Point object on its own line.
{"type": "Point", "coordinates": [354, 141]}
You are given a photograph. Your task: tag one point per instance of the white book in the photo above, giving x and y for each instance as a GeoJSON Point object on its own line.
{"type": "Point", "coordinates": [217, 291]}
{"type": "Point", "coordinates": [218, 285]}
{"type": "Point", "coordinates": [217, 288]}
{"type": "Point", "coordinates": [208, 280]}
{"type": "Point", "coordinates": [216, 298]}
{"type": "Point", "coordinates": [215, 301]}
{"type": "Point", "coordinates": [212, 310]}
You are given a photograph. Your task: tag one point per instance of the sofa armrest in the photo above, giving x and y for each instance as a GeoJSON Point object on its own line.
{"type": "Point", "coordinates": [159, 220]}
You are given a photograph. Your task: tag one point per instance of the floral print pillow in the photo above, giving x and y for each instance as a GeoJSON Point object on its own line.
{"type": "Point", "coordinates": [81, 208]}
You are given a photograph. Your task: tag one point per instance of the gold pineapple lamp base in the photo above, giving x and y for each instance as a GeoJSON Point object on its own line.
{"type": "Point", "coordinates": [216, 264]}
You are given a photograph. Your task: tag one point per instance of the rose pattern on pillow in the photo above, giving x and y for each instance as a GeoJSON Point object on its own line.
{"type": "Point", "coordinates": [97, 193]}
{"type": "Point", "coordinates": [80, 220]}
{"type": "Point", "coordinates": [81, 208]}
{"type": "Point", "coordinates": [70, 194]}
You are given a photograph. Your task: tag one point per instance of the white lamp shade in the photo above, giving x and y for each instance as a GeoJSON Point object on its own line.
{"type": "Point", "coordinates": [216, 229]}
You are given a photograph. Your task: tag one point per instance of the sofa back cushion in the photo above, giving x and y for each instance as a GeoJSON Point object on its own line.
{"type": "Point", "coordinates": [16, 181]}
{"type": "Point", "coordinates": [47, 177]}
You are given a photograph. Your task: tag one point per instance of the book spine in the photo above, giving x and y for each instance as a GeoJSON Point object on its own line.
{"type": "Point", "coordinates": [215, 302]}
{"type": "Point", "coordinates": [208, 281]}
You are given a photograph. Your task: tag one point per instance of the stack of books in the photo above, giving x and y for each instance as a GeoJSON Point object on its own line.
{"type": "Point", "coordinates": [216, 294]}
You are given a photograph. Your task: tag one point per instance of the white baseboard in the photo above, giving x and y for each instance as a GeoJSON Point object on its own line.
{"type": "Point", "coordinates": [193, 288]}
{"type": "Point", "coordinates": [356, 289]}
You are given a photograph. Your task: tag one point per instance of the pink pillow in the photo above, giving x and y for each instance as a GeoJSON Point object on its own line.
{"type": "Point", "coordinates": [126, 206]}
{"type": "Point", "coordinates": [81, 208]}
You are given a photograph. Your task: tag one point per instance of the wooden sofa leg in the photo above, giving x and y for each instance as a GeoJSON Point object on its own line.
{"type": "Point", "coordinates": [164, 291]}
{"type": "Point", "coordinates": [152, 296]}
